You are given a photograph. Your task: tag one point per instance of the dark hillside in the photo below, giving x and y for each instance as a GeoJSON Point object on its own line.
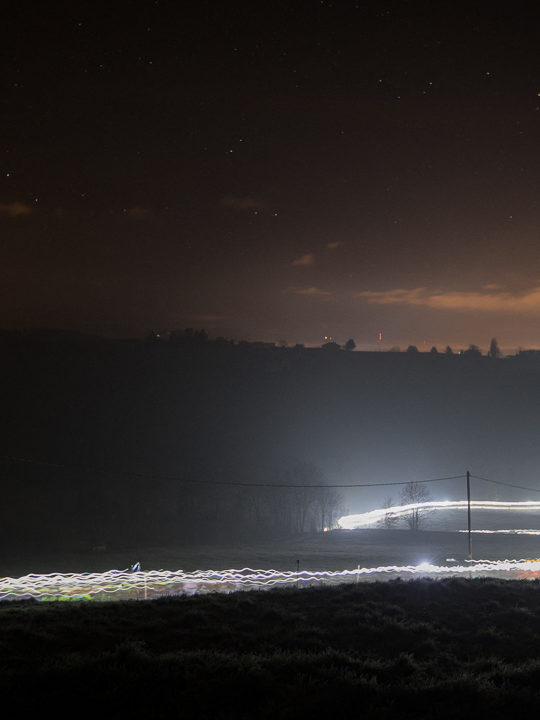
{"type": "Point", "coordinates": [211, 411]}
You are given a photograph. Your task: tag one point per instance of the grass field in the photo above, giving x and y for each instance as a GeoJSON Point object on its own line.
{"type": "Point", "coordinates": [337, 550]}
{"type": "Point", "coordinates": [417, 649]}
{"type": "Point", "coordinates": [412, 649]}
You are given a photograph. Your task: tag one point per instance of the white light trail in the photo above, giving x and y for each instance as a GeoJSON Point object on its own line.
{"type": "Point", "coordinates": [368, 519]}
{"type": "Point", "coordinates": [503, 532]}
{"type": "Point", "coordinates": [120, 585]}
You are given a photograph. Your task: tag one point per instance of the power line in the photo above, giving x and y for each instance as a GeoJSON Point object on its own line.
{"type": "Point", "coordinates": [231, 483]}
{"type": "Point", "coordinates": [352, 485]}
{"type": "Point", "coordinates": [500, 482]}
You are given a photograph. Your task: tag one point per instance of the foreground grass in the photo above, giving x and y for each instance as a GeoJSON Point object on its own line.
{"type": "Point", "coordinates": [419, 649]}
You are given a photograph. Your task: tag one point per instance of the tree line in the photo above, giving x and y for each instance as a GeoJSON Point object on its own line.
{"type": "Point", "coordinates": [70, 507]}
{"type": "Point", "coordinates": [200, 337]}
{"type": "Point", "coordinates": [413, 493]}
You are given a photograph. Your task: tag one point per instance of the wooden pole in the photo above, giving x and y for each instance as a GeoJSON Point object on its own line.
{"type": "Point", "coordinates": [469, 512]}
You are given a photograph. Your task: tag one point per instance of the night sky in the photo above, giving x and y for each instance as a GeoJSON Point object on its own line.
{"type": "Point", "coordinates": [273, 171]}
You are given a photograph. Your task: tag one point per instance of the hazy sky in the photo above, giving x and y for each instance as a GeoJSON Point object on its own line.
{"type": "Point", "coordinates": [281, 170]}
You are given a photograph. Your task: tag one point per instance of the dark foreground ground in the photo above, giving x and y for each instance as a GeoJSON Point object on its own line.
{"type": "Point", "coordinates": [419, 649]}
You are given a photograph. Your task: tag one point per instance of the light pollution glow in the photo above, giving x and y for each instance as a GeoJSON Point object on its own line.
{"type": "Point", "coordinates": [373, 517]}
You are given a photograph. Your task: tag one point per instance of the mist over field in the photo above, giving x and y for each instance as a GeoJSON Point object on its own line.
{"type": "Point", "coordinates": [142, 442]}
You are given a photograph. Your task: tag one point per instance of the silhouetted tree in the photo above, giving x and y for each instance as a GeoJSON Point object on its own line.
{"type": "Point", "coordinates": [189, 335]}
{"type": "Point", "coordinates": [434, 351]}
{"type": "Point", "coordinates": [350, 344]}
{"type": "Point", "coordinates": [305, 496]}
{"type": "Point", "coordinates": [329, 500]}
{"type": "Point", "coordinates": [473, 351]}
{"type": "Point", "coordinates": [389, 520]}
{"type": "Point", "coordinates": [448, 350]}
{"type": "Point", "coordinates": [494, 350]}
{"type": "Point", "coordinates": [278, 504]}
{"type": "Point", "coordinates": [302, 500]}
{"type": "Point", "coordinates": [412, 349]}
{"type": "Point", "coordinates": [288, 507]}
{"type": "Point", "coordinates": [413, 494]}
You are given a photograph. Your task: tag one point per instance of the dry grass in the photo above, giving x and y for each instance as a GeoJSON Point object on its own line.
{"type": "Point", "coordinates": [397, 649]}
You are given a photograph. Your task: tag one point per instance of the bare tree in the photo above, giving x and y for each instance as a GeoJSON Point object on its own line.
{"type": "Point", "coordinates": [414, 493]}
{"type": "Point", "coordinates": [303, 497]}
{"type": "Point", "coordinates": [309, 505]}
{"type": "Point", "coordinates": [494, 350]}
{"type": "Point", "coordinates": [329, 501]}
{"type": "Point", "coordinates": [389, 520]}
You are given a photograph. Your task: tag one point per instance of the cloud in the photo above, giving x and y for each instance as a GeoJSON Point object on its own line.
{"type": "Point", "coordinates": [304, 260]}
{"type": "Point", "coordinates": [393, 297]}
{"type": "Point", "coordinates": [15, 209]}
{"type": "Point", "coordinates": [313, 291]}
{"type": "Point", "coordinates": [335, 244]}
{"type": "Point", "coordinates": [489, 301]}
{"type": "Point", "coordinates": [242, 202]}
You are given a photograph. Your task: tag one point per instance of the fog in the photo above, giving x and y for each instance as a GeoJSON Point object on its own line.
{"type": "Point", "coordinates": [164, 440]}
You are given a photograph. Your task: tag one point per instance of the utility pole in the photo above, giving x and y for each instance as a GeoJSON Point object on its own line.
{"type": "Point", "coordinates": [469, 512]}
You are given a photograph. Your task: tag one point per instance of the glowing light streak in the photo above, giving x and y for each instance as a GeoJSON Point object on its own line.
{"type": "Point", "coordinates": [121, 585]}
{"type": "Point", "coordinates": [503, 532]}
{"type": "Point", "coordinates": [372, 517]}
